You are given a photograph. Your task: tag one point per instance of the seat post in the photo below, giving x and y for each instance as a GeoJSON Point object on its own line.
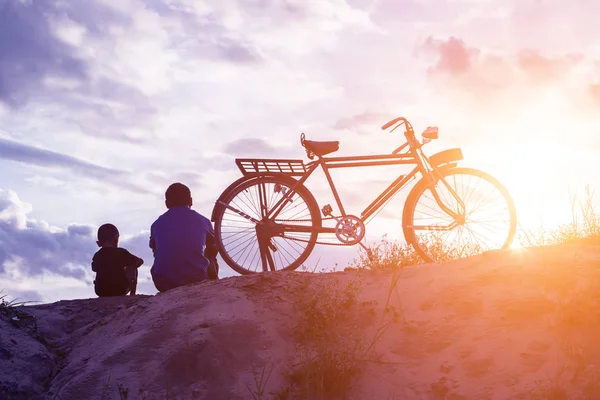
{"type": "Point", "coordinates": [332, 186]}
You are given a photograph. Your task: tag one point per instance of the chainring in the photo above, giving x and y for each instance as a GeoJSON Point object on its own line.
{"type": "Point", "coordinates": [350, 230]}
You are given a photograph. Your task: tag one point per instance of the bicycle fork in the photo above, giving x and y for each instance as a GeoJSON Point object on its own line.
{"type": "Point", "coordinates": [460, 217]}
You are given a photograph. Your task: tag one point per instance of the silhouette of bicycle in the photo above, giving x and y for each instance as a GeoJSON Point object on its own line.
{"type": "Point", "coordinates": [268, 220]}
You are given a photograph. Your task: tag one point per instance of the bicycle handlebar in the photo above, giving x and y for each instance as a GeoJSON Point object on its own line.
{"type": "Point", "coordinates": [392, 122]}
{"type": "Point", "coordinates": [409, 129]}
{"type": "Point", "coordinates": [409, 133]}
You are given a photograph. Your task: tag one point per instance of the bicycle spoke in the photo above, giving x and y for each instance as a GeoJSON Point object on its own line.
{"type": "Point", "coordinates": [251, 238]}
{"type": "Point", "coordinates": [241, 237]}
{"type": "Point", "coordinates": [255, 258]}
{"type": "Point", "coordinates": [487, 219]}
{"type": "Point", "coordinates": [249, 202]}
{"type": "Point", "coordinates": [247, 252]}
{"type": "Point", "coordinates": [238, 235]}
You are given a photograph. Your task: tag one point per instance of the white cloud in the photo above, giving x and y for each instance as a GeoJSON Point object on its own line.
{"type": "Point", "coordinates": [69, 31]}
{"type": "Point", "coordinates": [12, 210]}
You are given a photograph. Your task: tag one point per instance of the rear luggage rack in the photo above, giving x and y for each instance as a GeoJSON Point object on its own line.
{"type": "Point", "coordinates": [288, 167]}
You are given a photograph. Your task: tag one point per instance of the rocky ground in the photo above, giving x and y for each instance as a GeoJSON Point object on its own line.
{"type": "Point", "coordinates": [521, 324]}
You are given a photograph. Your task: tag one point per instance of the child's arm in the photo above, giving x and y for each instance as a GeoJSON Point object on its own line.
{"type": "Point", "coordinates": [94, 265]}
{"type": "Point", "coordinates": [133, 261]}
{"type": "Point", "coordinates": [152, 244]}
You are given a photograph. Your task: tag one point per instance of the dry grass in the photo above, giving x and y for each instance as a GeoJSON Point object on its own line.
{"type": "Point", "coordinates": [584, 225]}
{"type": "Point", "coordinates": [388, 254]}
{"type": "Point", "coordinates": [6, 304]}
{"type": "Point", "coordinates": [583, 228]}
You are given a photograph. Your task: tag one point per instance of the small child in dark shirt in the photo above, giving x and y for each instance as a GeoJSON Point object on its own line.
{"type": "Point", "coordinates": [116, 269]}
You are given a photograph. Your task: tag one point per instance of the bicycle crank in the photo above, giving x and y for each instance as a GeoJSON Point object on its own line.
{"type": "Point", "coordinates": [350, 230]}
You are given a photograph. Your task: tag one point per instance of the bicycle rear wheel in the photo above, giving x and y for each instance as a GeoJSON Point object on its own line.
{"type": "Point", "coordinates": [245, 207]}
{"type": "Point", "coordinates": [487, 221]}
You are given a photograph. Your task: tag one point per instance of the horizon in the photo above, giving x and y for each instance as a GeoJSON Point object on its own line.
{"type": "Point", "coordinates": [103, 106]}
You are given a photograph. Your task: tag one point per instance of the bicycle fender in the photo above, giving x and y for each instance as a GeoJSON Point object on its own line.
{"type": "Point", "coordinates": [446, 157]}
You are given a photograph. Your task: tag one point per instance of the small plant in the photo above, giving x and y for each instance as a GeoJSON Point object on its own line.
{"type": "Point", "coordinates": [389, 254]}
{"type": "Point", "coordinates": [548, 390]}
{"type": "Point", "coordinates": [123, 392]}
{"type": "Point", "coordinates": [260, 382]}
{"type": "Point", "coordinates": [12, 303]}
{"type": "Point", "coordinates": [585, 223]}
{"type": "Point", "coordinates": [105, 388]}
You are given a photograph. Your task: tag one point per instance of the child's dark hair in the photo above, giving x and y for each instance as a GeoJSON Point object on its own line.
{"type": "Point", "coordinates": [178, 195]}
{"type": "Point", "coordinates": [107, 232]}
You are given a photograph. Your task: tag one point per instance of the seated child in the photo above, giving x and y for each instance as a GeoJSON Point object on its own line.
{"type": "Point", "coordinates": [115, 268]}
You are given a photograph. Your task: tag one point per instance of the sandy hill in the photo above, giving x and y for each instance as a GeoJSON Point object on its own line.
{"type": "Point", "coordinates": [503, 325]}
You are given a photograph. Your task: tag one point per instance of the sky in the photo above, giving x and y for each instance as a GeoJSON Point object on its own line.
{"type": "Point", "coordinates": [103, 104]}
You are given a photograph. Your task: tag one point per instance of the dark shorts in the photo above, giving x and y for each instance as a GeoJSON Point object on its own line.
{"type": "Point", "coordinates": [109, 290]}
{"type": "Point", "coordinates": [118, 287]}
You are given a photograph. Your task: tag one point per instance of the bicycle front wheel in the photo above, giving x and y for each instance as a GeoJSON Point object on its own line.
{"type": "Point", "coordinates": [246, 206]}
{"type": "Point", "coordinates": [484, 215]}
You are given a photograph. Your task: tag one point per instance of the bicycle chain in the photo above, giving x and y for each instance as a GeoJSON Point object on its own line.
{"type": "Point", "coordinates": [317, 242]}
{"type": "Point", "coordinates": [308, 241]}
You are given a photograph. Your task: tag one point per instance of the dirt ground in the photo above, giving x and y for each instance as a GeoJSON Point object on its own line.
{"type": "Point", "coordinates": [519, 324]}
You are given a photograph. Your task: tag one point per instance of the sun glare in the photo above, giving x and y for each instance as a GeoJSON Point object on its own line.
{"type": "Point", "coordinates": [534, 160]}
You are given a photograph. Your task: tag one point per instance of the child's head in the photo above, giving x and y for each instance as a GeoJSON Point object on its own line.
{"type": "Point", "coordinates": [178, 195]}
{"type": "Point", "coordinates": [108, 236]}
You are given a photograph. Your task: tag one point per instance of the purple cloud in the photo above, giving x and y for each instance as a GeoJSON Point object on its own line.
{"type": "Point", "coordinates": [38, 248]}
{"type": "Point", "coordinates": [29, 51]}
{"type": "Point", "coordinates": [15, 151]}
{"type": "Point", "coordinates": [203, 36]}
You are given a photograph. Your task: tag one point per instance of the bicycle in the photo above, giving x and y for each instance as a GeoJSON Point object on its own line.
{"type": "Point", "coordinates": [268, 220]}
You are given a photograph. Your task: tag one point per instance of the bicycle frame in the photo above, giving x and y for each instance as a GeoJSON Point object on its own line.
{"type": "Point", "coordinates": [283, 181]}
{"type": "Point", "coordinates": [327, 163]}
{"type": "Point", "coordinates": [429, 167]}
{"type": "Point", "coordinates": [412, 157]}
{"type": "Point", "coordinates": [296, 173]}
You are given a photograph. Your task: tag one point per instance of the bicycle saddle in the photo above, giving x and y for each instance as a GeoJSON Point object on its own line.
{"type": "Point", "coordinates": [319, 148]}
